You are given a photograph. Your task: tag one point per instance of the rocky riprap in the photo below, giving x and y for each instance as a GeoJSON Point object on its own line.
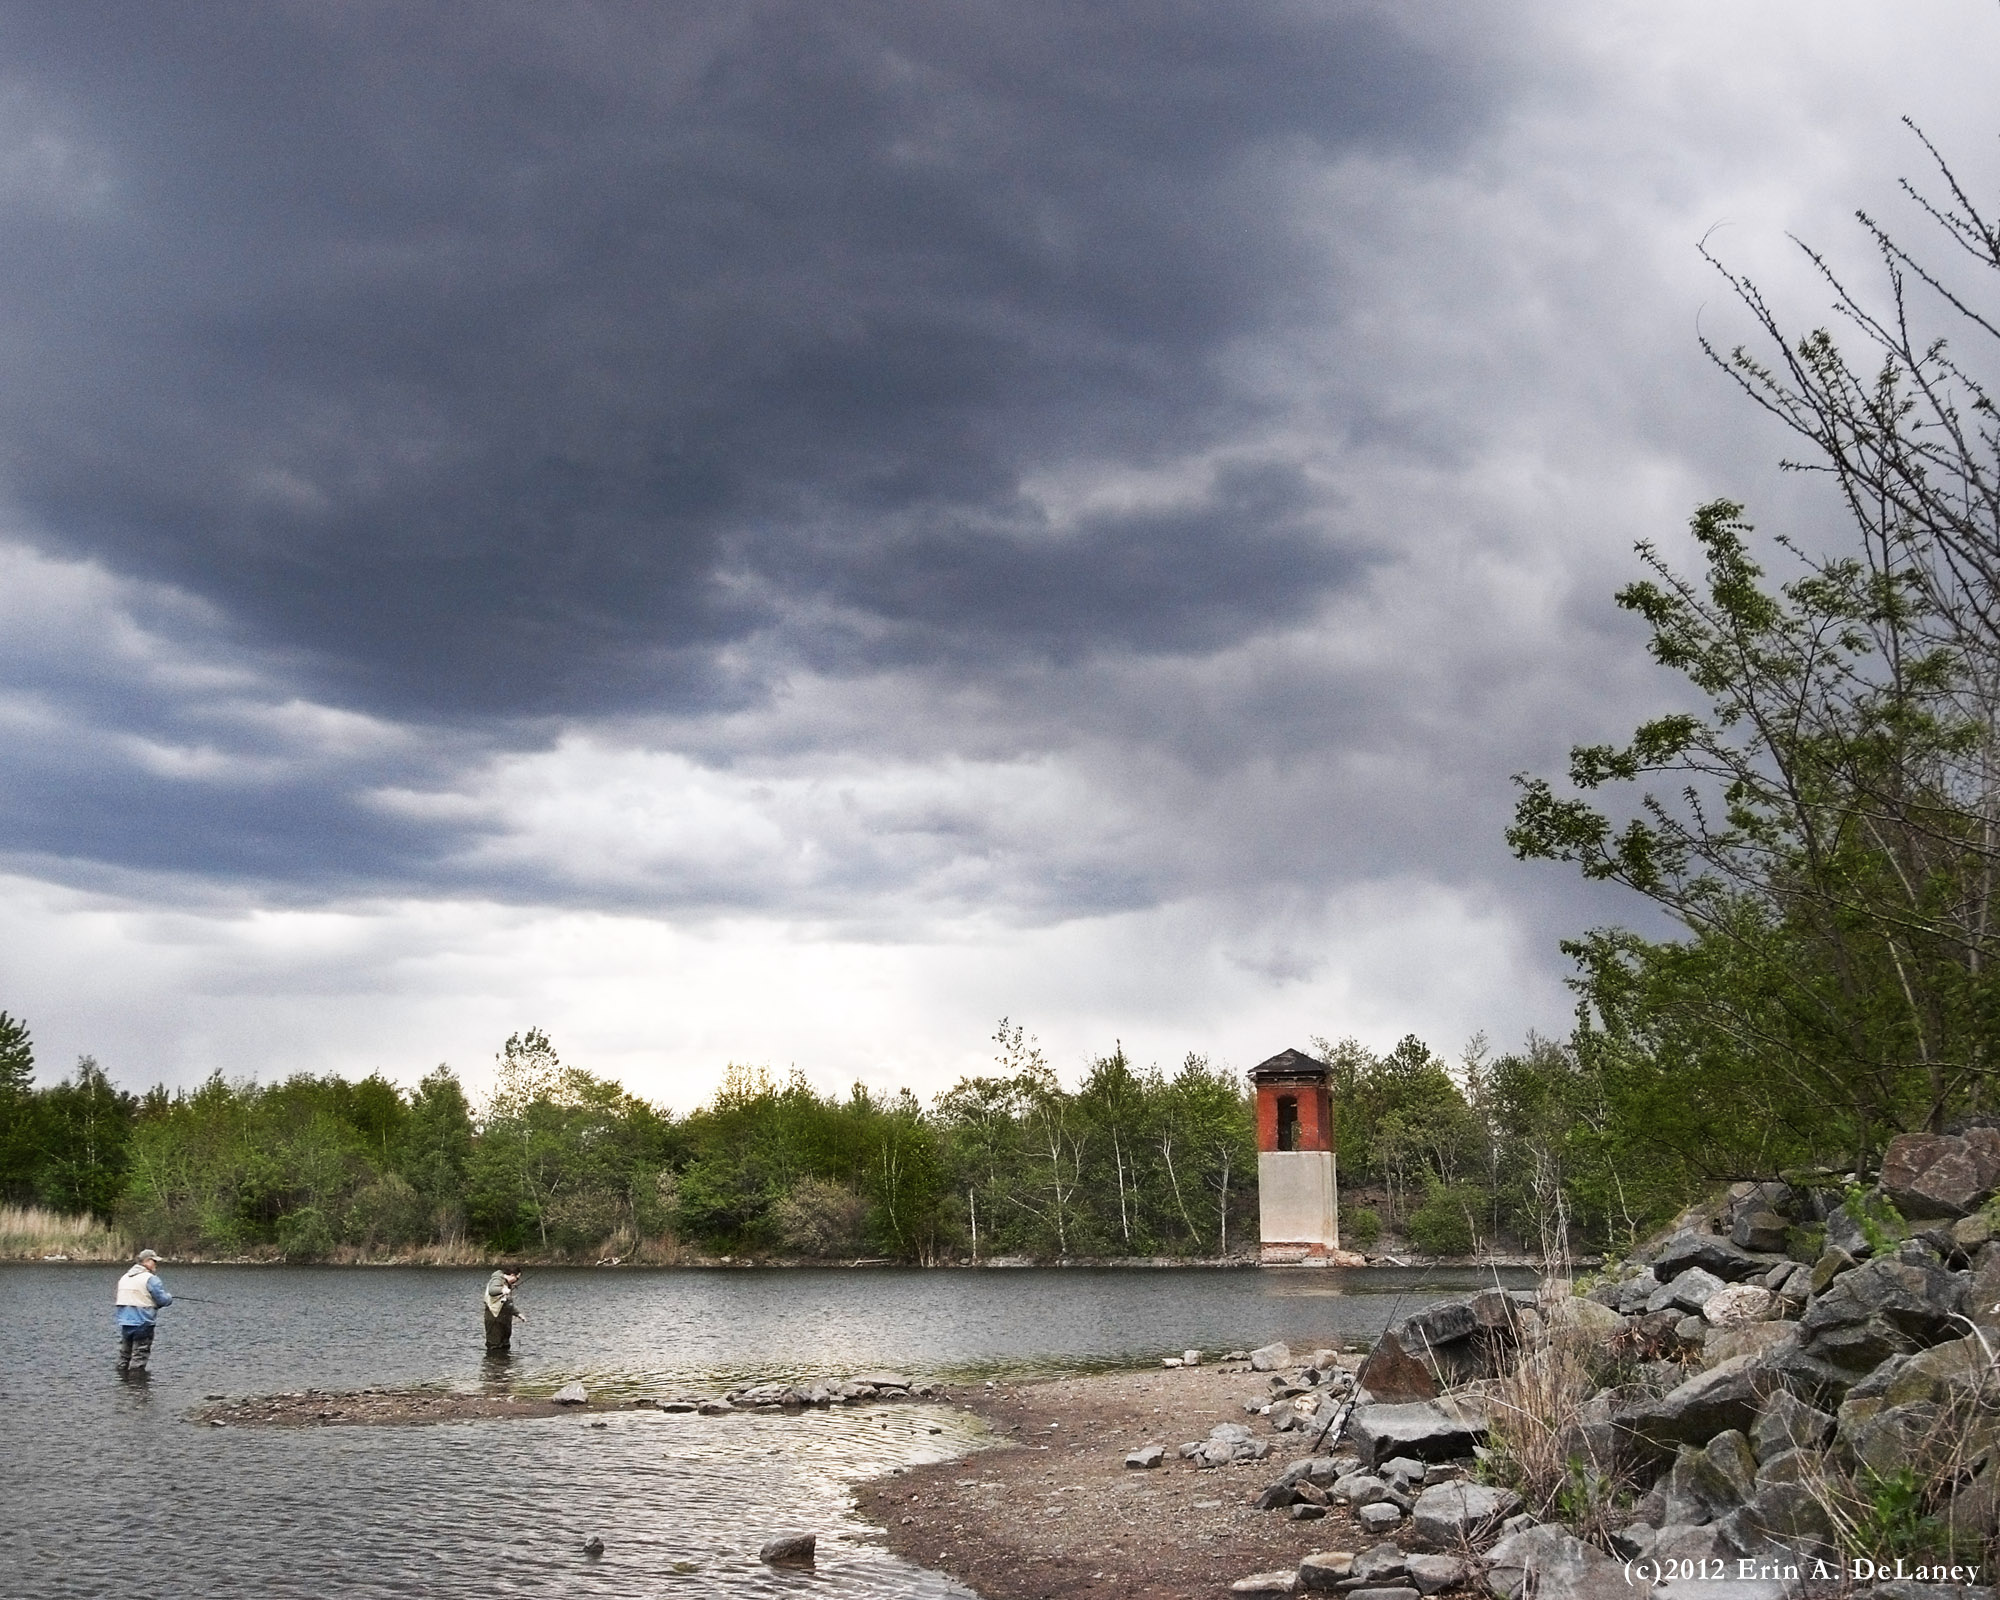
{"type": "Point", "coordinates": [1748, 1382]}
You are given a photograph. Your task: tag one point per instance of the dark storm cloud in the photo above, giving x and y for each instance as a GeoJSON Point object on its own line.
{"type": "Point", "coordinates": [461, 351]}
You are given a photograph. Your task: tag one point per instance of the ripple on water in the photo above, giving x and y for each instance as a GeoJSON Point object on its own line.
{"type": "Point", "coordinates": [682, 1504]}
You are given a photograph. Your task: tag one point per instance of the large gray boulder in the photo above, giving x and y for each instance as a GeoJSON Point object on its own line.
{"type": "Point", "coordinates": [1392, 1373]}
{"type": "Point", "coordinates": [1442, 1323]}
{"type": "Point", "coordinates": [1785, 1422]}
{"type": "Point", "coordinates": [1762, 1232]}
{"type": "Point", "coordinates": [1459, 1516]}
{"type": "Point", "coordinates": [1938, 1175]}
{"type": "Point", "coordinates": [1893, 1305]}
{"type": "Point", "coordinates": [1690, 1290]}
{"type": "Point", "coordinates": [1381, 1563]}
{"type": "Point", "coordinates": [1707, 1484]}
{"type": "Point", "coordinates": [1562, 1567]}
{"type": "Point", "coordinates": [1737, 1304]}
{"type": "Point", "coordinates": [1693, 1247]}
{"type": "Point", "coordinates": [1271, 1358]}
{"type": "Point", "coordinates": [1430, 1430]}
{"type": "Point", "coordinates": [1725, 1396]}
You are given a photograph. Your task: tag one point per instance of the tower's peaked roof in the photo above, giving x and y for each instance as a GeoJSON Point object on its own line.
{"type": "Point", "coordinates": [1291, 1066]}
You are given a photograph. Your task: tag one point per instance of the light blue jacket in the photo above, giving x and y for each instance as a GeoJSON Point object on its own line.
{"type": "Point", "coordinates": [143, 1316]}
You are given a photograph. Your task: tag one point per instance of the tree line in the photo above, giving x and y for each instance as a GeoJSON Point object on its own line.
{"type": "Point", "coordinates": [559, 1163]}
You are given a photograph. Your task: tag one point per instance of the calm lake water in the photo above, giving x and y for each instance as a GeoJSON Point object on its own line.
{"type": "Point", "coordinates": [106, 1488]}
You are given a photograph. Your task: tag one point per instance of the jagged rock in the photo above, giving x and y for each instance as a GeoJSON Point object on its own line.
{"type": "Point", "coordinates": [1381, 1563]}
{"type": "Point", "coordinates": [1690, 1290]}
{"type": "Point", "coordinates": [883, 1380]}
{"type": "Point", "coordinates": [1324, 1572]}
{"type": "Point", "coordinates": [1392, 1374]}
{"type": "Point", "coordinates": [1830, 1265]}
{"type": "Point", "coordinates": [1398, 1591]}
{"type": "Point", "coordinates": [1691, 1333]}
{"type": "Point", "coordinates": [1309, 1493]}
{"type": "Point", "coordinates": [1939, 1175]}
{"type": "Point", "coordinates": [1190, 1358]}
{"type": "Point", "coordinates": [1493, 1311]}
{"type": "Point", "coordinates": [1432, 1574]}
{"type": "Point", "coordinates": [1974, 1508]}
{"type": "Point", "coordinates": [1705, 1485]}
{"type": "Point", "coordinates": [1889, 1306]}
{"type": "Point", "coordinates": [1283, 1582]}
{"type": "Point", "coordinates": [1969, 1233]}
{"type": "Point", "coordinates": [1404, 1471]}
{"type": "Point", "coordinates": [1725, 1396]}
{"type": "Point", "coordinates": [1982, 1290]}
{"type": "Point", "coordinates": [1790, 1514]}
{"type": "Point", "coordinates": [1767, 1339]}
{"type": "Point", "coordinates": [1713, 1254]}
{"type": "Point", "coordinates": [593, 1547]}
{"type": "Point", "coordinates": [1761, 1231]}
{"type": "Point", "coordinates": [1563, 1567]}
{"type": "Point", "coordinates": [1793, 1466]}
{"type": "Point", "coordinates": [715, 1408]}
{"type": "Point", "coordinates": [1432, 1430]}
{"type": "Point", "coordinates": [1379, 1517]}
{"type": "Point", "coordinates": [1305, 1511]}
{"type": "Point", "coordinates": [1275, 1498]}
{"type": "Point", "coordinates": [571, 1394]}
{"type": "Point", "coordinates": [1845, 1233]}
{"type": "Point", "coordinates": [790, 1550]}
{"type": "Point", "coordinates": [1631, 1295]}
{"type": "Point", "coordinates": [1443, 1323]}
{"type": "Point", "coordinates": [1585, 1318]}
{"type": "Point", "coordinates": [1785, 1422]}
{"type": "Point", "coordinates": [1321, 1470]}
{"type": "Point", "coordinates": [1271, 1358]}
{"type": "Point", "coordinates": [1452, 1516]}
{"type": "Point", "coordinates": [1360, 1488]}
{"type": "Point", "coordinates": [1737, 1304]}
{"type": "Point", "coordinates": [1150, 1455]}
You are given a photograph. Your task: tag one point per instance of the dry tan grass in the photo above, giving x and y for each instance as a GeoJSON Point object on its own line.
{"type": "Point", "coordinates": [1536, 1431]}
{"type": "Point", "coordinates": [31, 1233]}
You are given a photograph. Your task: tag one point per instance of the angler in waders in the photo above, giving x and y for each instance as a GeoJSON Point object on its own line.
{"type": "Point", "coordinates": [140, 1296]}
{"type": "Point", "coordinates": [501, 1312]}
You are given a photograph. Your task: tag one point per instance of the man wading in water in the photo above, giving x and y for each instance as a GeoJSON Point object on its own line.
{"type": "Point", "coordinates": [501, 1312]}
{"type": "Point", "coordinates": [140, 1296]}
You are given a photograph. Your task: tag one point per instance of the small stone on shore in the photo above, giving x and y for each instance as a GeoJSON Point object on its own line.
{"type": "Point", "coordinates": [571, 1394]}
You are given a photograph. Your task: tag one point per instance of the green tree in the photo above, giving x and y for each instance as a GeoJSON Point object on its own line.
{"type": "Point", "coordinates": [436, 1148]}
{"type": "Point", "coordinates": [1817, 849]}
{"type": "Point", "coordinates": [87, 1131]}
{"type": "Point", "coordinates": [20, 1134]}
{"type": "Point", "coordinates": [1112, 1103]}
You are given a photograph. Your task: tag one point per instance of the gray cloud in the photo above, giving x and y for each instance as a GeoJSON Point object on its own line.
{"type": "Point", "coordinates": [460, 353]}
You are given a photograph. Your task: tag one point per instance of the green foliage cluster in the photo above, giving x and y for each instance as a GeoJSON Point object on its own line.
{"type": "Point", "coordinates": [563, 1164]}
{"type": "Point", "coordinates": [1817, 816]}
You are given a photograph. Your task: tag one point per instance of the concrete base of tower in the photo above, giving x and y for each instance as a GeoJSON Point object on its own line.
{"type": "Point", "coordinates": [1298, 1210]}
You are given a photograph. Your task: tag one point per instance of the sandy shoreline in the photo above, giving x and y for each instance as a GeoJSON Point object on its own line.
{"type": "Point", "coordinates": [1054, 1511]}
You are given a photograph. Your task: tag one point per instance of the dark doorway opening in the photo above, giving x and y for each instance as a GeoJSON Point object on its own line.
{"type": "Point", "coordinates": [1288, 1122]}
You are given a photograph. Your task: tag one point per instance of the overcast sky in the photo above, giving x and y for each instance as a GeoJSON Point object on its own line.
{"type": "Point", "coordinates": [787, 533]}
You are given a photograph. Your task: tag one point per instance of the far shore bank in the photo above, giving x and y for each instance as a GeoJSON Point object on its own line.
{"type": "Point", "coordinates": [464, 1262]}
